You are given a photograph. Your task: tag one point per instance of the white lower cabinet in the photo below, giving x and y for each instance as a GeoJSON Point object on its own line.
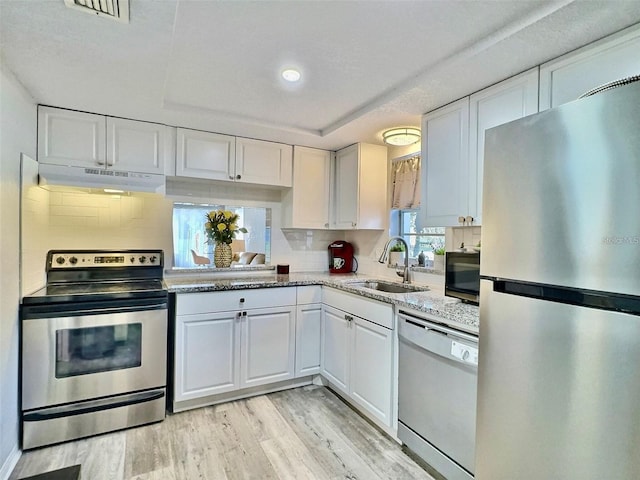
{"type": "Point", "coordinates": [336, 347]}
{"type": "Point", "coordinates": [371, 367]}
{"type": "Point", "coordinates": [268, 345]}
{"type": "Point", "coordinates": [207, 355]}
{"type": "Point", "coordinates": [357, 353]}
{"type": "Point", "coordinates": [250, 342]}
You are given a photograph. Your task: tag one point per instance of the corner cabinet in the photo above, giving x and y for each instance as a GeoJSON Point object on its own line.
{"type": "Point", "coordinates": [306, 204]}
{"type": "Point", "coordinates": [359, 199]}
{"type": "Point", "coordinates": [230, 340]}
{"type": "Point", "coordinates": [566, 78]}
{"type": "Point", "coordinates": [308, 327]}
{"type": "Point", "coordinates": [453, 152]}
{"type": "Point", "coordinates": [357, 353]}
{"type": "Point", "coordinates": [70, 138]}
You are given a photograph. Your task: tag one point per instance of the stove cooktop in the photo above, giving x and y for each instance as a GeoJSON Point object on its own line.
{"type": "Point", "coordinates": [96, 290]}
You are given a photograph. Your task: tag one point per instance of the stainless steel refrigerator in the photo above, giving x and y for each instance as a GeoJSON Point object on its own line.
{"type": "Point", "coordinates": [559, 365]}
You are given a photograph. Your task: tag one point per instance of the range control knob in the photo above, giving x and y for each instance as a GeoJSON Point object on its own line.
{"type": "Point", "coordinates": [153, 258]}
{"type": "Point", "coordinates": [60, 260]}
{"type": "Point", "coordinates": [142, 259]}
{"type": "Point", "coordinates": [133, 259]}
{"type": "Point", "coordinates": [73, 260]}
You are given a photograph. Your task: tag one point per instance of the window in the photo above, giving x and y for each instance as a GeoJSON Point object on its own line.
{"type": "Point", "coordinates": [190, 246]}
{"type": "Point", "coordinates": [419, 238]}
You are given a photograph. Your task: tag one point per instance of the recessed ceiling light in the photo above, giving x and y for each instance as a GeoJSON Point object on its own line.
{"type": "Point", "coordinates": [291, 75]}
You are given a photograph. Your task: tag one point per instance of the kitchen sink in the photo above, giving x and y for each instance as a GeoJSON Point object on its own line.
{"type": "Point", "coordinates": [388, 287]}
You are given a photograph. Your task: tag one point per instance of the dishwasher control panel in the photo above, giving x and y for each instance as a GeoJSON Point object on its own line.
{"type": "Point", "coordinates": [466, 353]}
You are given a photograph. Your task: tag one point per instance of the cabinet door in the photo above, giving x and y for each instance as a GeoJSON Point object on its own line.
{"type": "Point", "coordinates": [207, 355]}
{"type": "Point", "coordinates": [566, 78]}
{"type": "Point", "coordinates": [514, 98]}
{"type": "Point", "coordinates": [373, 204]}
{"type": "Point", "coordinates": [139, 146]}
{"type": "Point", "coordinates": [205, 155]}
{"type": "Point", "coordinates": [335, 346]}
{"type": "Point", "coordinates": [268, 346]}
{"type": "Point", "coordinates": [306, 205]}
{"type": "Point", "coordinates": [345, 181]}
{"type": "Point", "coordinates": [445, 153]}
{"type": "Point", "coordinates": [72, 138]}
{"type": "Point", "coordinates": [264, 163]}
{"type": "Point", "coordinates": [371, 368]}
{"type": "Point", "coordinates": [308, 322]}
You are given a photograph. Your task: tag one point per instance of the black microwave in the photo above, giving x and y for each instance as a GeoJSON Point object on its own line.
{"type": "Point", "coordinates": [462, 276]}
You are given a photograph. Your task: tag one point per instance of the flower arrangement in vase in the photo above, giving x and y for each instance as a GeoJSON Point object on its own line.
{"type": "Point", "coordinates": [221, 228]}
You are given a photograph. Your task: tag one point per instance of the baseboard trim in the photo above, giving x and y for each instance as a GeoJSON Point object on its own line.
{"type": "Point", "coordinates": [10, 463]}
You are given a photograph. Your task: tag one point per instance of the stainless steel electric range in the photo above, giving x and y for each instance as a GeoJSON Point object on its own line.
{"type": "Point", "coordinates": [94, 345]}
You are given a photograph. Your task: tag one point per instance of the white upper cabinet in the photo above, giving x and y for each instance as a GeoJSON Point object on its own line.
{"type": "Point", "coordinates": [225, 157]}
{"type": "Point", "coordinates": [444, 169]}
{"type": "Point", "coordinates": [79, 139]}
{"type": "Point", "coordinates": [453, 147]}
{"type": "Point", "coordinates": [205, 155]}
{"type": "Point", "coordinates": [360, 188]}
{"type": "Point", "coordinates": [566, 78]}
{"type": "Point", "coordinates": [306, 205]}
{"type": "Point", "coordinates": [264, 163]}
{"type": "Point", "coordinates": [504, 102]}
{"type": "Point", "coordinates": [73, 138]}
{"type": "Point", "coordinates": [139, 146]}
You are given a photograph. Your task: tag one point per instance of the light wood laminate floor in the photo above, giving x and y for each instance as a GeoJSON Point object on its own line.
{"type": "Point", "coordinates": [305, 433]}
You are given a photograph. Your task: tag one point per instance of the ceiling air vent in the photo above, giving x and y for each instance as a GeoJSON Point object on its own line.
{"type": "Point", "coordinates": [114, 9]}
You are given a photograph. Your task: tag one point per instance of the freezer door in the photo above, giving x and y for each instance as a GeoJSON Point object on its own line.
{"type": "Point", "coordinates": [561, 202]}
{"type": "Point", "coordinates": [558, 391]}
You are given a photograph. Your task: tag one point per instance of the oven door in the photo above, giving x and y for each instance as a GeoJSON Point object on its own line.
{"type": "Point", "coordinates": [92, 354]}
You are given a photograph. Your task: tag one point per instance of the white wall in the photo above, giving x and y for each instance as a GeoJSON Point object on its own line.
{"type": "Point", "coordinates": [17, 135]}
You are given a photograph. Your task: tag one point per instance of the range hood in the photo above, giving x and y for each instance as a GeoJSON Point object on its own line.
{"type": "Point", "coordinates": [100, 178]}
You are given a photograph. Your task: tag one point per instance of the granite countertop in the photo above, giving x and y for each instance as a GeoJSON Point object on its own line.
{"type": "Point", "coordinates": [431, 302]}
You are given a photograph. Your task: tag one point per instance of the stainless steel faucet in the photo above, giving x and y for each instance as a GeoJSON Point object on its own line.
{"type": "Point", "coordinates": [385, 252]}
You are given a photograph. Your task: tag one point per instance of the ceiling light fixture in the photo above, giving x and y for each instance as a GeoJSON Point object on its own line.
{"type": "Point", "coordinates": [291, 75]}
{"type": "Point", "coordinates": [401, 136]}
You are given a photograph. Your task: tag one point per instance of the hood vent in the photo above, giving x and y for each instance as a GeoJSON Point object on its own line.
{"type": "Point", "coordinates": [114, 9]}
{"type": "Point", "coordinates": [49, 174]}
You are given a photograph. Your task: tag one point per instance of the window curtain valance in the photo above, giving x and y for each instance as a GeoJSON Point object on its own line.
{"type": "Point", "coordinates": [405, 175]}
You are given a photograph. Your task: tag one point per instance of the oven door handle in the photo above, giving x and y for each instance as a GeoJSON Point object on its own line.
{"type": "Point", "coordinates": [31, 312]}
{"type": "Point", "coordinates": [92, 406]}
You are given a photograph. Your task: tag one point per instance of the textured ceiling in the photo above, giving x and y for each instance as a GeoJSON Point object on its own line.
{"type": "Point", "coordinates": [214, 65]}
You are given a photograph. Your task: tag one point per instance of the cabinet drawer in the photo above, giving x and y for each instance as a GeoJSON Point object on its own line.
{"type": "Point", "coordinates": [203, 302]}
{"type": "Point", "coordinates": [372, 310]}
{"type": "Point", "coordinates": [309, 294]}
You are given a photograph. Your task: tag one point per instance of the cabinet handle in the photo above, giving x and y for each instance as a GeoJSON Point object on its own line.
{"type": "Point", "coordinates": [99, 163]}
{"type": "Point", "coordinates": [353, 224]}
{"type": "Point", "coordinates": [230, 177]}
{"type": "Point", "coordinates": [326, 225]}
{"type": "Point", "coordinates": [238, 177]}
{"type": "Point", "coordinates": [244, 314]}
{"type": "Point", "coordinates": [348, 318]}
{"type": "Point", "coordinates": [242, 300]}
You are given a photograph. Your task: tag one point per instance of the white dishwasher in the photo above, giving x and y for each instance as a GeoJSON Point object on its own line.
{"type": "Point", "coordinates": [437, 385]}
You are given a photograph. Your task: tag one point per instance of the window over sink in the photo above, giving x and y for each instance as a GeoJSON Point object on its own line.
{"type": "Point", "coordinates": [192, 250]}
{"type": "Point", "coordinates": [407, 224]}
